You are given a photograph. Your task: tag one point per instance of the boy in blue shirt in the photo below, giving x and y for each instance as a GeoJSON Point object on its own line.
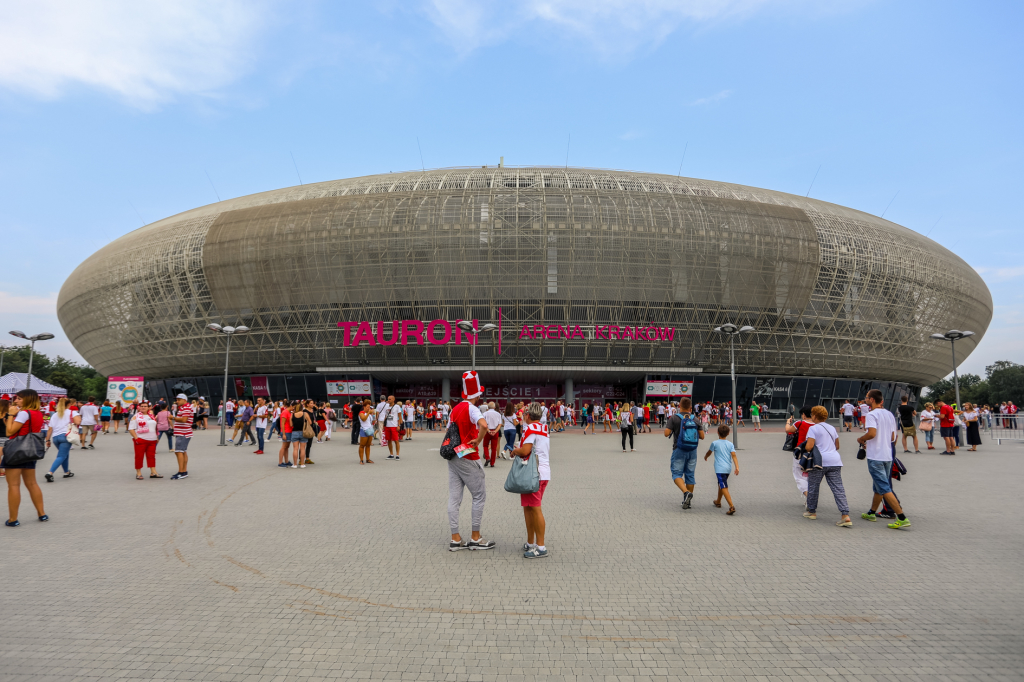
{"type": "Point", "coordinates": [725, 461]}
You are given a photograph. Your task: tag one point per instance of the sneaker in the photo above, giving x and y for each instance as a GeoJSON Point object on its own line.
{"type": "Point", "coordinates": [480, 544]}
{"type": "Point", "coordinates": [810, 515]}
{"type": "Point", "coordinates": [869, 516]}
{"type": "Point", "coordinates": [91, 446]}
{"type": "Point", "coordinates": [230, 441]}
{"type": "Point", "coordinates": [294, 466]}
{"type": "Point", "coordinates": [397, 458]}
{"type": "Point", "coordinates": [284, 464]}
{"type": "Point", "coordinates": [905, 523]}
{"type": "Point", "coordinates": [391, 457]}
{"type": "Point", "coordinates": [456, 546]}
{"type": "Point", "coordinates": [302, 466]}
{"type": "Point", "coordinates": [535, 553]}
{"type": "Point", "coordinates": [844, 524]}
{"type": "Point", "coordinates": [527, 546]}
{"type": "Point", "coordinates": [687, 498]}
{"type": "Point", "coordinates": [180, 475]}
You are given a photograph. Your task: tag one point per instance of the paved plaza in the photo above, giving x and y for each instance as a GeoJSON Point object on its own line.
{"type": "Point", "coordinates": [245, 571]}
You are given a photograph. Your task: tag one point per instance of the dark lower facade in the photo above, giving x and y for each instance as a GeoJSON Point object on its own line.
{"type": "Point", "coordinates": [780, 393]}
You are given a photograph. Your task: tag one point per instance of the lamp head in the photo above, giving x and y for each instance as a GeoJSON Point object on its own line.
{"type": "Point", "coordinates": [20, 335]}
{"type": "Point", "coordinates": [746, 328]}
{"type": "Point", "coordinates": [939, 337]}
{"type": "Point", "coordinates": [228, 330]}
{"type": "Point", "coordinates": [241, 329]}
{"type": "Point", "coordinates": [45, 336]}
{"type": "Point", "coordinates": [465, 325]}
{"type": "Point", "coordinates": [488, 327]}
{"type": "Point", "coordinates": [214, 327]}
{"type": "Point", "coordinates": [728, 328]}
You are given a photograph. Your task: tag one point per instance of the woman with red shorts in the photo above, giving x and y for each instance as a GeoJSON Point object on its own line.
{"type": "Point", "coordinates": [535, 443]}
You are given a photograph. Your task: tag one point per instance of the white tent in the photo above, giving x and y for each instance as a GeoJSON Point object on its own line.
{"type": "Point", "coordinates": [15, 381]}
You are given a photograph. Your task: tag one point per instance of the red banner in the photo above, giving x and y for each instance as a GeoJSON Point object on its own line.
{"type": "Point", "coordinates": [240, 388]}
{"type": "Point", "coordinates": [260, 387]}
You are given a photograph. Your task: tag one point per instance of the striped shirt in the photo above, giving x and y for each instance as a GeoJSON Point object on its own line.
{"type": "Point", "coordinates": [184, 428]}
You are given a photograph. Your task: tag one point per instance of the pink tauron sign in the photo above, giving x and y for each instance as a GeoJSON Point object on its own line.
{"type": "Point", "coordinates": [437, 332]}
{"type": "Point", "coordinates": [442, 332]}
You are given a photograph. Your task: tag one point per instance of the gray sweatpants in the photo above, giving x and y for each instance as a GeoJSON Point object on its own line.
{"type": "Point", "coordinates": [468, 473]}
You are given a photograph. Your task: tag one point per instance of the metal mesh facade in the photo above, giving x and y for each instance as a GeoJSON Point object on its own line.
{"type": "Point", "coordinates": [831, 291]}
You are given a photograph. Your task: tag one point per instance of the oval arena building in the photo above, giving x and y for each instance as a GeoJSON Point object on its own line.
{"type": "Point", "coordinates": [604, 285]}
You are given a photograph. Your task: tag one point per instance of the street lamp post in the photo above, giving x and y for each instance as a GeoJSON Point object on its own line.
{"type": "Point", "coordinates": [229, 332]}
{"type": "Point", "coordinates": [32, 351]}
{"type": "Point", "coordinates": [467, 326]}
{"type": "Point", "coordinates": [954, 335]}
{"type": "Point", "coordinates": [733, 331]}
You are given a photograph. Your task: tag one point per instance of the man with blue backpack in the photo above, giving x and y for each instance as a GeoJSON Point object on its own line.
{"type": "Point", "coordinates": [686, 435]}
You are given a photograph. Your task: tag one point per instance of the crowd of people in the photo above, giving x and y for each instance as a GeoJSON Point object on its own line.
{"type": "Point", "coordinates": [489, 432]}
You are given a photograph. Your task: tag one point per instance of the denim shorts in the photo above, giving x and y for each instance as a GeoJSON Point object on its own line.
{"type": "Point", "coordinates": [366, 433]}
{"type": "Point", "coordinates": [880, 476]}
{"type": "Point", "coordinates": [684, 463]}
{"type": "Point", "coordinates": [296, 437]}
{"type": "Point", "coordinates": [181, 443]}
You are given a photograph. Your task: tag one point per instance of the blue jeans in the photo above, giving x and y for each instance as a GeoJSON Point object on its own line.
{"type": "Point", "coordinates": [63, 451]}
{"type": "Point", "coordinates": [880, 476]}
{"type": "Point", "coordinates": [170, 438]}
{"type": "Point", "coordinates": [684, 464]}
{"type": "Point", "coordinates": [929, 436]}
{"type": "Point", "coordinates": [259, 435]}
{"type": "Point", "coordinates": [231, 419]}
{"type": "Point", "coordinates": [510, 439]}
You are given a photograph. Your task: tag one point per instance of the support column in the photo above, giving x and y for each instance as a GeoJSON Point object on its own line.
{"type": "Point", "coordinates": [568, 392]}
{"type": "Point", "coordinates": [446, 389]}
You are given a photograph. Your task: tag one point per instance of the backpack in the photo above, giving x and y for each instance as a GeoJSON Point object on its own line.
{"type": "Point", "coordinates": [688, 433]}
{"type": "Point", "coordinates": [452, 440]}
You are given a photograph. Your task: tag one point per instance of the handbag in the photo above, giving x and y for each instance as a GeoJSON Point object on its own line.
{"type": "Point", "coordinates": [72, 435]}
{"type": "Point", "coordinates": [524, 476]}
{"type": "Point", "coordinates": [925, 426]}
{"type": "Point", "coordinates": [307, 431]}
{"type": "Point", "coordinates": [790, 444]}
{"type": "Point", "coordinates": [21, 450]}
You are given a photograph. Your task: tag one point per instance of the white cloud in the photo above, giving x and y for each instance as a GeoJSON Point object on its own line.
{"type": "Point", "coordinates": [611, 26]}
{"type": "Point", "coordinates": [144, 52]}
{"type": "Point", "coordinates": [12, 304]}
{"type": "Point", "coordinates": [717, 97]}
{"type": "Point", "coordinates": [1001, 274]}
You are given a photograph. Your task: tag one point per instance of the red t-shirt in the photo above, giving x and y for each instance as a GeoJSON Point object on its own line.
{"type": "Point", "coordinates": [946, 416]}
{"type": "Point", "coordinates": [802, 427]}
{"type": "Point", "coordinates": [468, 429]}
{"type": "Point", "coordinates": [286, 421]}
{"type": "Point", "coordinates": [34, 423]}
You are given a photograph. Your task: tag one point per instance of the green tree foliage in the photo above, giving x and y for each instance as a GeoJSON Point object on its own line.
{"type": "Point", "coordinates": [1004, 381]}
{"type": "Point", "coordinates": [81, 381]}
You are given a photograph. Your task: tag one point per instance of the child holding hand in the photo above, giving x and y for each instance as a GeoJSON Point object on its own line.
{"type": "Point", "coordinates": [725, 462]}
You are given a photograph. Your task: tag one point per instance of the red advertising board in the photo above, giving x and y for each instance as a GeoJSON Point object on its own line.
{"type": "Point", "coordinates": [260, 387]}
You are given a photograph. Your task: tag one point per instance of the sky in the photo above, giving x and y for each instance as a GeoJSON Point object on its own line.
{"type": "Point", "coordinates": [114, 114]}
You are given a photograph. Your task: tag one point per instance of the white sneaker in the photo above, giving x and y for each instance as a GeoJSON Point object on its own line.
{"type": "Point", "coordinates": [302, 466]}
{"type": "Point", "coordinates": [294, 467]}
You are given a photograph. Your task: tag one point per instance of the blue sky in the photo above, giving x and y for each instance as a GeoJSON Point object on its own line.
{"type": "Point", "coordinates": [116, 113]}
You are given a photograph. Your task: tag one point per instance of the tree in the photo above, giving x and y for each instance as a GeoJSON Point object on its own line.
{"type": "Point", "coordinates": [1006, 383]}
{"type": "Point", "coordinates": [68, 380]}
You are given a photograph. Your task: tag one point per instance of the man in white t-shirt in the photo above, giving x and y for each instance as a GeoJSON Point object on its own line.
{"type": "Point", "coordinates": [90, 414]}
{"type": "Point", "coordinates": [391, 416]}
{"type": "Point", "coordinates": [381, 409]}
{"type": "Point", "coordinates": [409, 413]}
{"type": "Point", "coordinates": [493, 438]}
{"type": "Point", "coordinates": [543, 413]}
{"type": "Point", "coordinates": [229, 413]}
{"type": "Point", "coordinates": [536, 443]}
{"type": "Point", "coordinates": [262, 411]}
{"type": "Point", "coordinates": [879, 442]}
{"type": "Point", "coordinates": [848, 415]}
{"type": "Point", "coordinates": [864, 409]}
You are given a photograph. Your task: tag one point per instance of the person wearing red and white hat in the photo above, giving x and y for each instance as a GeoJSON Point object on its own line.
{"type": "Point", "coordinates": [467, 471]}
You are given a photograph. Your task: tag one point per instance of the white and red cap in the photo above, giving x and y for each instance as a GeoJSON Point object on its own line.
{"type": "Point", "coordinates": [471, 387]}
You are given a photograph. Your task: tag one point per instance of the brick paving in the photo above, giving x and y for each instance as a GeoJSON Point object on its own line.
{"type": "Point", "coordinates": [245, 571]}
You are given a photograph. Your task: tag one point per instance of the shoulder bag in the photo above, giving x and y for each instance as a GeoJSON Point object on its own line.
{"type": "Point", "coordinates": [72, 434]}
{"type": "Point", "coordinates": [20, 450]}
{"type": "Point", "coordinates": [524, 476]}
{"type": "Point", "coordinates": [307, 430]}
